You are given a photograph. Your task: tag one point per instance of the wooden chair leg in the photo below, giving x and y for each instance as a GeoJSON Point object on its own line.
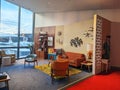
{"type": "Point", "coordinates": [48, 63]}
{"type": "Point", "coordinates": [7, 84]}
{"type": "Point", "coordinates": [52, 78]}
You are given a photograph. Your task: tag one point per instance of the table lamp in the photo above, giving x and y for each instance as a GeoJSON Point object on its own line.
{"type": "Point", "coordinates": [89, 51]}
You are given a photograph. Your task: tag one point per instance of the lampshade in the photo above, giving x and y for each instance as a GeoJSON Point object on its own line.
{"type": "Point", "coordinates": [89, 50]}
{"type": "Point", "coordinates": [89, 47]}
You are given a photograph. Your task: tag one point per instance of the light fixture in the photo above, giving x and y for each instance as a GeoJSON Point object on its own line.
{"type": "Point", "coordinates": [89, 50]}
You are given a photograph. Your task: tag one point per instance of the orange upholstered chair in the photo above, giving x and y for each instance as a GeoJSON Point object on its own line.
{"type": "Point", "coordinates": [59, 68]}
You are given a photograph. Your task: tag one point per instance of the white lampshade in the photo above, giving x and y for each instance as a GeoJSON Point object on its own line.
{"type": "Point", "coordinates": [89, 47]}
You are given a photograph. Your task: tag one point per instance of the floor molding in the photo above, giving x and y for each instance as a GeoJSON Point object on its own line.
{"type": "Point", "coordinates": [70, 84]}
{"type": "Point", "coordinates": [115, 68]}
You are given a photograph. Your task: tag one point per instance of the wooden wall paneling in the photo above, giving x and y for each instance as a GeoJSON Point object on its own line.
{"type": "Point", "coordinates": [50, 31]}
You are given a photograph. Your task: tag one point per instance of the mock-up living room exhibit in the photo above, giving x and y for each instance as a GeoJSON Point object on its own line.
{"type": "Point", "coordinates": [57, 50]}
{"type": "Point", "coordinates": [71, 49]}
{"type": "Point", "coordinates": [77, 43]}
{"type": "Point", "coordinates": [72, 42]}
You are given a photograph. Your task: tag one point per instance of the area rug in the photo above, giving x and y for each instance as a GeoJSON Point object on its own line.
{"type": "Point", "coordinates": [47, 69]}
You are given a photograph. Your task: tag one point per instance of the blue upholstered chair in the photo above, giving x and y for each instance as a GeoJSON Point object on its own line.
{"type": "Point", "coordinates": [32, 58]}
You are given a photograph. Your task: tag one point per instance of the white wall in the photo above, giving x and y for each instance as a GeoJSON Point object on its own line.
{"type": "Point", "coordinates": [53, 19]}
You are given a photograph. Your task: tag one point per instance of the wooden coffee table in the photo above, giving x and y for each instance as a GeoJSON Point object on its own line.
{"type": "Point", "coordinates": [6, 81]}
{"type": "Point", "coordinates": [87, 64]}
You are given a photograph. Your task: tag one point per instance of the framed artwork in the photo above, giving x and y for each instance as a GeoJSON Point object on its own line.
{"type": "Point", "coordinates": [50, 41]}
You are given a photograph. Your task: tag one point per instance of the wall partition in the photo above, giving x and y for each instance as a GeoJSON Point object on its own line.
{"type": "Point", "coordinates": [102, 33]}
{"type": "Point", "coordinates": [16, 29]}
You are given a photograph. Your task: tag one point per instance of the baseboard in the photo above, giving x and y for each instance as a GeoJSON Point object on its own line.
{"type": "Point", "coordinates": [70, 84]}
{"type": "Point", "coordinates": [115, 68]}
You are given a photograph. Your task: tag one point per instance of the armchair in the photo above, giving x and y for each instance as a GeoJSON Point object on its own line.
{"type": "Point", "coordinates": [59, 68]}
{"type": "Point", "coordinates": [3, 54]}
{"type": "Point", "coordinates": [31, 59]}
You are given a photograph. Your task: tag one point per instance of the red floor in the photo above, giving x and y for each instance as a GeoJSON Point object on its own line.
{"type": "Point", "coordinates": [99, 82]}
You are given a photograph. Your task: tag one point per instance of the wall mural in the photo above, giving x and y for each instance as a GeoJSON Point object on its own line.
{"type": "Point", "coordinates": [76, 42]}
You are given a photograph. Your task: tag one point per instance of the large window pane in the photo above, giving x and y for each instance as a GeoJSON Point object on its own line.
{"type": "Point", "coordinates": [26, 36]}
{"type": "Point", "coordinates": [26, 24]}
{"type": "Point", "coordinates": [10, 51]}
{"type": "Point", "coordinates": [9, 25]}
{"type": "Point", "coordinates": [24, 52]}
{"type": "Point", "coordinates": [15, 34]}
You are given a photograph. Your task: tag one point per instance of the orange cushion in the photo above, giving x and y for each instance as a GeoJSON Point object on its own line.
{"type": "Point", "coordinates": [74, 55]}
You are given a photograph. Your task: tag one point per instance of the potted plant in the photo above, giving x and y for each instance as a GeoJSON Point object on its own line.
{"type": "Point", "coordinates": [30, 46]}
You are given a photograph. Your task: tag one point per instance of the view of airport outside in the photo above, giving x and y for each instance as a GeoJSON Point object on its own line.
{"type": "Point", "coordinates": [15, 29]}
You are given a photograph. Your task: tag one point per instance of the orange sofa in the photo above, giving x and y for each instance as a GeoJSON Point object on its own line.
{"type": "Point", "coordinates": [74, 59]}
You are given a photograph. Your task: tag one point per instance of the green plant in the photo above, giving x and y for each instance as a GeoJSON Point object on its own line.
{"type": "Point", "coordinates": [30, 46]}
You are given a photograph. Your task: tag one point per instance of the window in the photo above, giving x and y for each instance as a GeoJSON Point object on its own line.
{"type": "Point", "coordinates": [16, 27]}
{"type": "Point", "coordinates": [26, 36]}
{"type": "Point", "coordinates": [9, 25]}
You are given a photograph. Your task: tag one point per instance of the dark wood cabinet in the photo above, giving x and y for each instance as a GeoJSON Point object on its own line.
{"type": "Point", "coordinates": [43, 45]}
{"type": "Point", "coordinates": [40, 54]}
{"type": "Point", "coordinates": [43, 39]}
